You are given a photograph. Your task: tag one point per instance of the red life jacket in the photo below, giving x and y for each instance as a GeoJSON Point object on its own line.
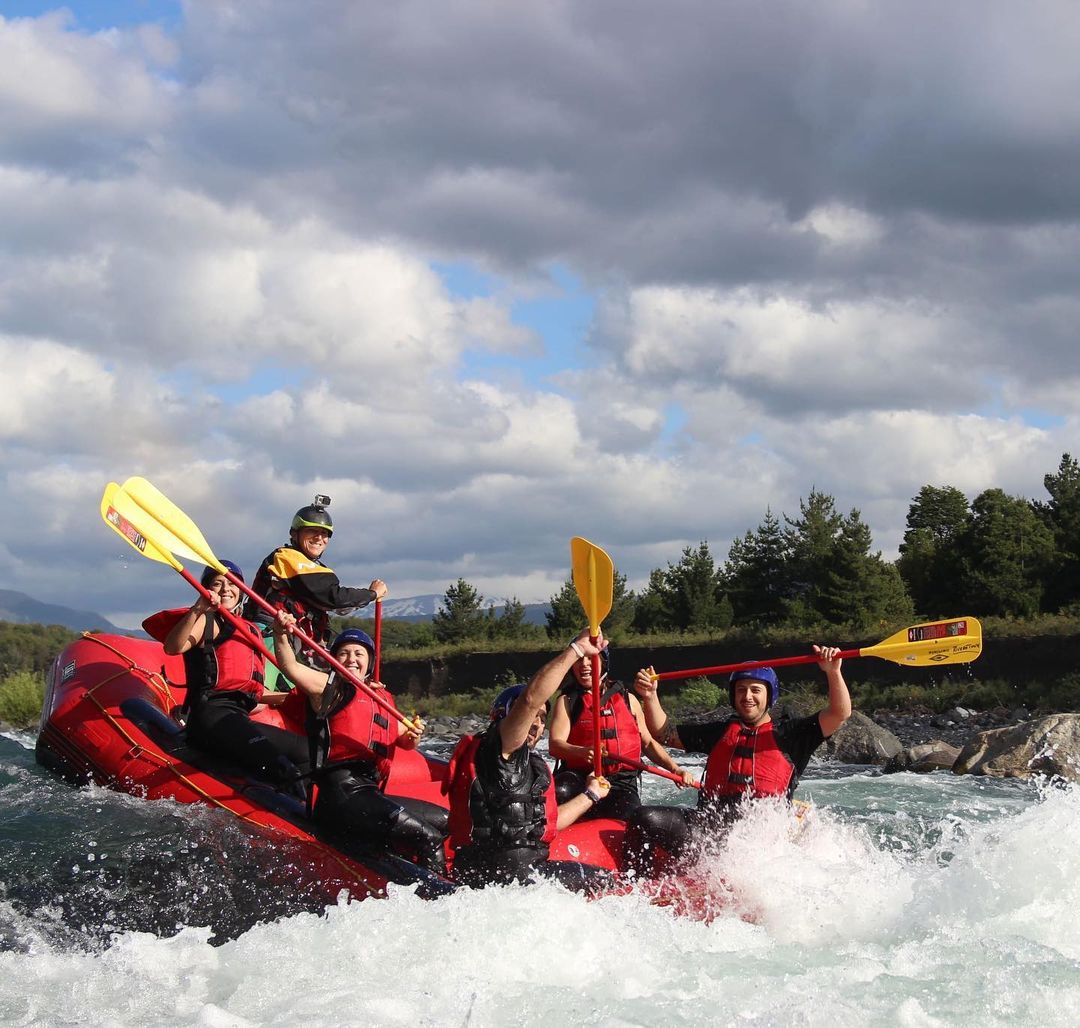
{"type": "Point", "coordinates": [360, 732]}
{"type": "Point", "coordinates": [485, 816]}
{"type": "Point", "coordinates": [747, 761]}
{"type": "Point", "coordinates": [619, 731]}
{"type": "Point", "coordinates": [225, 663]}
{"type": "Point", "coordinates": [229, 663]}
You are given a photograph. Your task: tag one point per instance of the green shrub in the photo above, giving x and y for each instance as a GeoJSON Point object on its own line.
{"type": "Point", "coordinates": [456, 704]}
{"type": "Point", "coordinates": [21, 697]}
{"type": "Point", "coordinates": [697, 694]}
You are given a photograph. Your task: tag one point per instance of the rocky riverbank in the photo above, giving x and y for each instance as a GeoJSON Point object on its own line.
{"type": "Point", "coordinates": [911, 728]}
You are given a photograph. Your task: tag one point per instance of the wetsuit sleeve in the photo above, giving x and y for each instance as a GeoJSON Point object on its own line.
{"type": "Point", "coordinates": [799, 738]}
{"type": "Point", "coordinates": [701, 738]}
{"type": "Point", "coordinates": [314, 584]}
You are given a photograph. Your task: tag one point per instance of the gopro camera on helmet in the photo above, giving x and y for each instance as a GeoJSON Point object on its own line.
{"type": "Point", "coordinates": [321, 500]}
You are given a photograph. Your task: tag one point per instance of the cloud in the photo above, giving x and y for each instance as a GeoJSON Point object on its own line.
{"type": "Point", "coordinates": [827, 246]}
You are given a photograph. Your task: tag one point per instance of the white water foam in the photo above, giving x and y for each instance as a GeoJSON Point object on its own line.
{"type": "Point", "coordinates": [975, 927]}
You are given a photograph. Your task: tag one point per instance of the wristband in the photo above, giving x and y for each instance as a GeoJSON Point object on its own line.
{"type": "Point", "coordinates": [593, 795]}
{"type": "Point", "coordinates": [579, 651]}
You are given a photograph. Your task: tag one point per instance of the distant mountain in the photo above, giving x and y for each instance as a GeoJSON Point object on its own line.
{"type": "Point", "coordinates": [423, 608]}
{"type": "Point", "coordinates": [21, 609]}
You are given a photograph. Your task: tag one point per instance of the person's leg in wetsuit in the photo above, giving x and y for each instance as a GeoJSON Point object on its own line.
{"type": "Point", "coordinates": [655, 836]}
{"type": "Point", "coordinates": [219, 723]}
{"type": "Point", "coordinates": [352, 807]}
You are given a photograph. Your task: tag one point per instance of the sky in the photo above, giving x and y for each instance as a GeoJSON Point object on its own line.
{"type": "Point", "coordinates": [492, 275]}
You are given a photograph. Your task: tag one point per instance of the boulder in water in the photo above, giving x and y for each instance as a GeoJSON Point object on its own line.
{"type": "Point", "coordinates": [1046, 746]}
{"type": "Point", "coordinates": [937, 755]}
{"type": "Point", "coordinates": [862, 741]}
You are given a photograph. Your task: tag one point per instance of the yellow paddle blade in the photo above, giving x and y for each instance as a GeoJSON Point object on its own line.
{"type": "Point", "coordinates": [594, 580]}
{"type": "Point", "coordinates": [127, 519]}
{"type": "Point", "coordinates": [952, 641]}
{"type": "Point", "coordinates": [176, 531]}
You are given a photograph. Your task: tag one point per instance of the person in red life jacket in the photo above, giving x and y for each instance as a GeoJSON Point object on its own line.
{"type": "Point", "coordinates": [352, 739]}
{"type": "Point", "coordinates": [749, 755]}
{"type": "Point", "coordinates": [295, 578]}
{"type": "Point", "coordinates": [503, 810]}
{"type": "Point", "coordinates": [624, 733]}
{"type": "Point", "coordinates": [225, 667]}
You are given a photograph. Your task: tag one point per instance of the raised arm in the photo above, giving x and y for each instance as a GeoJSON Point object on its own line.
{"type": "Point", "coordinates": [839, 708]}
{"type": "Point", "coordinates": [189, 630]}
{"type": "Point", "coordinates": [514, 728]}
{"type": "Point", "coordinates": [656, 719]}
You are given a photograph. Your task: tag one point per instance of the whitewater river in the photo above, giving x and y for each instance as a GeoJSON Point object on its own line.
{"type": "Point", "coordinates": [905, 900]}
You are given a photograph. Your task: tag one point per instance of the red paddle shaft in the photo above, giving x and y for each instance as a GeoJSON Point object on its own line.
{"type": "Point", "coordinates": [749, 665]}
{"type": "Point", "coordinates": [651, 768]}
{"type": "Point", "coordinates": [335, 664]}
{"type": "Point", "coordinates": [378, 640]}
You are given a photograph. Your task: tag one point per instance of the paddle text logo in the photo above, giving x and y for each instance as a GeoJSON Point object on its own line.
{"type": "Point", "coordinates": [126, 529]}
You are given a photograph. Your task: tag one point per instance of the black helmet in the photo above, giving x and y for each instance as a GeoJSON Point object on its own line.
{"type": "Point", "coordinates": [314, 515]}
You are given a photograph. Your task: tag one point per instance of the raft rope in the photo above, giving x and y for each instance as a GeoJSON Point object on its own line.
{"type": "Point", "coordinates": [160, 684]}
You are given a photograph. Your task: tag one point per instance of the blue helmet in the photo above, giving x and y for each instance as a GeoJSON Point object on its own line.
{"type": "Point", "coordinates": [210, 573]}
{"type": "Point", "coordinates": [360, 638]}
{"type": "Point", "coordinates": [765, 675]}
{"type": "Point", "coordinates": [505, 700]}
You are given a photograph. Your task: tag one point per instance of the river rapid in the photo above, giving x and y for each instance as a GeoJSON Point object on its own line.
{"type": "Point", "coordinates": [903, 900]}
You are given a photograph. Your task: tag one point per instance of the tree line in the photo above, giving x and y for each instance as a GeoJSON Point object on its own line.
{"type": "Point", "coordinates": [995, 555]}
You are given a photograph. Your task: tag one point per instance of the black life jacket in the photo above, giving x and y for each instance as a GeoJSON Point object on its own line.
{"type": "Point", "coordinates": [493, 819]}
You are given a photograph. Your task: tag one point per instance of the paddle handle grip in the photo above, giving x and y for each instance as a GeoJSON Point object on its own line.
{"type": "Point", "coordinates": [748, 665]}
{"type": "Point", "coordinates": [640, 765]}
{"type": "Point", "coordinates": [325, 654]}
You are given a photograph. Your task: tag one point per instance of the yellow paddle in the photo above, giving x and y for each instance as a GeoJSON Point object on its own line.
{"type": "Point", "coordinates": [130, 522]}
{"type": "Point", "coordinates": [951, 641]}
{"type": "Point", "coordinates": [594, 580]}
{"type": "Point", "coordinates": [177, 532]}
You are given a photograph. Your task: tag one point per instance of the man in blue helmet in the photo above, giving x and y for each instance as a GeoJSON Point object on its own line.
{"type": "Point", "coordinates": [503, 808]}
{"type": "Point", "coordinates": [749, 755]}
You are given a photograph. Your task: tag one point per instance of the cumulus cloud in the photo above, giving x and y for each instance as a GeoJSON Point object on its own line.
{"type": "Point", "coordinates": [829, 246]}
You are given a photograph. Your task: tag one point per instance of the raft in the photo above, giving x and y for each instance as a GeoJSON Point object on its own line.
{"type": "Point", "coordinates": [109, 716]}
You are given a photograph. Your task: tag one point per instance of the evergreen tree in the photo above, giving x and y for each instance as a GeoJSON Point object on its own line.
{"type": "Point", "coordinates": [653, 613]}
{"type": "Point", "coordinates": [860, 589]}
{"type": "Point", "coordinates": [462, 615]}
{"type": "Point", "coordinates": [693, 589]}
{"type": "Point", "coordinates": [1062, 516]}
{"type": "Point", "coordinates": [567, 616]}
{"type": "Point", "coordinates": [1008, 549]}
{"type": "Point", "coordinates": [510, 625]}
{"type": "Point", "coordinates": [755, 576]}
{"type": "Point", "coordinates": [930, 559]}
{"type": "Point", "coordinates": [811, 541]}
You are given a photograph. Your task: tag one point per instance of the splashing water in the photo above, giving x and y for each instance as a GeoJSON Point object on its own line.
{"type": "Point", "coordinates": [907, 900]}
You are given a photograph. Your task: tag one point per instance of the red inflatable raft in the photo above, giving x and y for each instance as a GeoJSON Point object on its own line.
{"type": "Point", "coordinates": [108, 717]}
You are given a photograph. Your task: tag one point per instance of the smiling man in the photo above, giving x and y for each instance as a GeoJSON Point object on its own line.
{"type": "Point", "coordinates": [749, 755]}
